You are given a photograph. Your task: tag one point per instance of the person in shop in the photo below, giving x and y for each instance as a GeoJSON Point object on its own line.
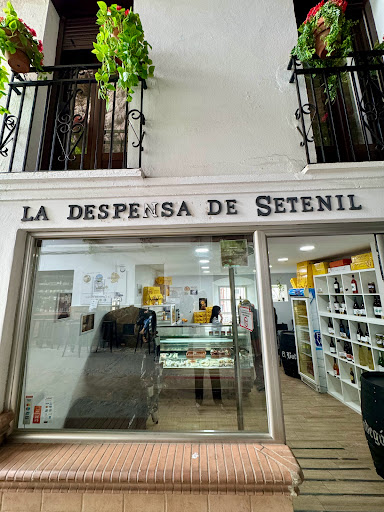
{"type": "Point", "coordinates": [256, 347]}
{"type": "Point", "coordinates": [216, 320]}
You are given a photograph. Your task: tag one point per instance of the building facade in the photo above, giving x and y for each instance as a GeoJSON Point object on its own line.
{"type": "Point", "coordinates": [228, 142]}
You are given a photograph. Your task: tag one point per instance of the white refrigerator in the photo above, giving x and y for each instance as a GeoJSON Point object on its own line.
{"type": "Point", "coordinates": [309, 347]}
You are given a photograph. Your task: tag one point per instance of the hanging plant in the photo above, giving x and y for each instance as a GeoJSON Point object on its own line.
{"type": "Point", "coordinates": [325, 39]}
{"type": "Point", "coordinates": [19, 47]}
{"type": "Point", "coordinates": [122, 49]}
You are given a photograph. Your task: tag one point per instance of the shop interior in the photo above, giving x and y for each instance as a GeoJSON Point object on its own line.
{"type": "Point", "coordinates": [137, 334]}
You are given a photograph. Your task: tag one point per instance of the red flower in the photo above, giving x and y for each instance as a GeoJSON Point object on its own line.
{"type": "Point", "coordinates": [32, 31]}
{"type": "Point", "coordinates": [21, 20]}
{"type": "Point", "coordinates": [1, 19]}
{"type": "Point", "coordinates": [127, 12]}
{"type": "Point", "coordinates": [118, 7]}
{"type": "Point", "coordinates": [40, 46]}
{"type": "Point", "coordinates": [312, 13]}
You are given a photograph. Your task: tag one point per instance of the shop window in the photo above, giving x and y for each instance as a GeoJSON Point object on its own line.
{"type": "Point", "coordinates": [120, 339]}
{"type": "Point", "coordinates": [279, 292]}
{"type": "Point", "coordinates": [225, 300]}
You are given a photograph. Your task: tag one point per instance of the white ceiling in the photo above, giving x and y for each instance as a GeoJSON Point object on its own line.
{"type": "Point", "coordinates": [326, 248]}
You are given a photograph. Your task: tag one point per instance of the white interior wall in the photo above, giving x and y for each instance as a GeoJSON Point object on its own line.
{"type": "Point", "coordinates": [283, 309]}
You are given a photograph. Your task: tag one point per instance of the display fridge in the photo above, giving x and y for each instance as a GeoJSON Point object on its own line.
{"type": "Point", "coordinates": [309, 349]}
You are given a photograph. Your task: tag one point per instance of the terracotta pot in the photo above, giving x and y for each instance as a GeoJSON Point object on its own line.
{"type": "Point", "coordinates": [320, 33]}
{"type": "Point", "coordinates": [19, 62]}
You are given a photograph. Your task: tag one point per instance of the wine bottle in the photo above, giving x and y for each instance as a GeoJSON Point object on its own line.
{"type": "Point", "coordinates": [349, 351]}
{"type": "Point", "coordinates": [336, 371]}
{"type": "Point", "coordinates": [362, 308]}
{"type": "Point", "coordinates": [352, 376]}
{"type": "Point", "coordinates": [367, 337]}
{"type": "Point", "coordinates": [332, 347]}
{"type": "Point", "coordinates": [331, 330]}
{"type": "Point", "coordinates": [336, 305]}
{"type": "Point", "coordinates": [343, 307]}
{"type": "Point", "coordinates": [377, 310]}
{"type": "Point", "coordinates": [356, 309]}
{"type": "Point", "coordinates": [336, 286]}
{"type": "Point", "coordinates": [342, 330]}
{"type": "Point", "coordinates": [354, 285]}
{"type": "Point", "coordinates": [372, 287]}
{"type": "Point", "coordinates": [359, 333]}
{"type": "Point", "coordinates": [347, 331]}
{"type": "Point", "coordinates": [381, 361]}
{"type": "Point", "coordinates": [329, 307]}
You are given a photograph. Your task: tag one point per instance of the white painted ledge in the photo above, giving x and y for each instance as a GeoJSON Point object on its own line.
{"type": "Point", "coordinates": [342, 167]}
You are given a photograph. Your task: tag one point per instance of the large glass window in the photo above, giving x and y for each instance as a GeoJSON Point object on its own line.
{"type": "Point", "coordinates": [120, 337]}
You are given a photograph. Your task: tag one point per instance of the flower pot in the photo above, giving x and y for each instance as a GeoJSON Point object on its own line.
{"type": "Point", "coordinates": [19, 61]}
{"type": "Point", "coordinates": [320, 33]}
{"type": "Point", "coordinates": [372, 396]}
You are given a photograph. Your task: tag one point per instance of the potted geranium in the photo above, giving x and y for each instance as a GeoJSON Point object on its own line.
{"type": "Point", "coordinates": [122, 50]}
{"type": "Point", "coordinates": [325, 39]}
{"type": "Point", "coordinates": [19, 46]}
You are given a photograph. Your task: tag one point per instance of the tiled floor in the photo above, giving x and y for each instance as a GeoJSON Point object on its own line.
{"type": "Point", "coordinates": [328, 440]}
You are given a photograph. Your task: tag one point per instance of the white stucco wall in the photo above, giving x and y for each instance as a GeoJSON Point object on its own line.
{"type": "Point", "coordinates": [220, 102]}
{"type": "Point", "coordinates": [378, 14]}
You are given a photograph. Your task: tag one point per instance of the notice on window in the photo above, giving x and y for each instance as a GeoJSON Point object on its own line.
{"type": "Point", "coordinates": [234, 253]}
{"type": "Point", "coordinates": [37, 414]}
{"type": "Point", "coordinates": [246, 318]}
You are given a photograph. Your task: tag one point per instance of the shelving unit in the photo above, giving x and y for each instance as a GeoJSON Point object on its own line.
{"type": "Point", "coordinates": [365, 353]}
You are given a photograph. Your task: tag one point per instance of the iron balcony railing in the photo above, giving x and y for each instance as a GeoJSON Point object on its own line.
{"type": "Point", "coordinates": [60, 124]}
{"type": "Point", "coordinates": [351, 127]}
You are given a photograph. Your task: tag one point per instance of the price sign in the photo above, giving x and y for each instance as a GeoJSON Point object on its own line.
{"type": "Point", "coordinates": [246, 318]}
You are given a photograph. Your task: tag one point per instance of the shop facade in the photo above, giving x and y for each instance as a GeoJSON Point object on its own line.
{"type": "Point", "coordinates": [173, 411]}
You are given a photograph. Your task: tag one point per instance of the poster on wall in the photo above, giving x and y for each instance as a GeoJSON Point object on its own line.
{"type": "Point", "coordinates": [103, 287]}
{"type": "Point", "coordinates": [87, 323]}
{"type": "Point", "coordinates": [234, 253]}
{"type": "Point", "coordinates": [202, 304]}
{"type": "Point", "coordinates": [194, 290]}
{"type": "Point", "coordinates": [64, 302]}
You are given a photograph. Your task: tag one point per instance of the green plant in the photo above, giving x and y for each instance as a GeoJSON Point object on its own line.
{"type": "Point", "coordinates": [338, 40]}
{"type": "Point", "coordinates": [17, 35]}
{"type": "Point", "coordinates": [122, 49]}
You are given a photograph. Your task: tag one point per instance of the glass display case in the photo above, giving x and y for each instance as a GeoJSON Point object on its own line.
{"type": "Point", "coordinates": [166, 314]}
{"type": "Point", "coordinates": [203, 346]}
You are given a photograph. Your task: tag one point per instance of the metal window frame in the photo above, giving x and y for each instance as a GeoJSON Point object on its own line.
{"type": "Point", "coordinates": [261, 234]}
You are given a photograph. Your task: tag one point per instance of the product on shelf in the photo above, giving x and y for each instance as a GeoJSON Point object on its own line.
{"type": "Point", "coordinates": [380, 362]}
{"type": "Point", "coordinates": [340, 263]}
{"type": "Point", "coordinates": [336, 371]}
{"type": "Point", "coordinates": [370, 359]}
{"type": "Point", "coordinates": [343, 333]}
{"type": "Point", "coordinates": [217, 353]}
{"type": "Point", "coordinates": [320, 268]}
{"type": "Point", "coordinates": [304, 274]}
{"type": "Point", "coordinates": [343, 307]}
{"type": "Point", "coordinates": [348, 350]}
{"type": "Point", "coordinates": [352, 376]}
{"type": "Point", "coordinates": [362, 261]}
{"type": "Point", "coordinates": [359, 333]}
{"type": "Point", "coordinates": [332, 346]}
{"type": "Point", "coordinates": [380, 340]}
{"type": "Point", "coordinates": [371, 287]}
{"type": "Point", "coordinates": [331, 329]}
{"type": "Point", "coordinates": [367, 337]}
{"type": "Point", "coordinates": [354, 285]}
{"type": "Point", "coordinates": [196, 354]}
{"type": "Point", "coordinates": [336, 286]}
{"type": "Point", "coordinates": [329, 309]}
{"type": "Point", "coordinates": [362, 309]}
{"type": "Point", "coordinates": [356, 308]}
{"type": "Point", "coordinates": [336, 305]}
{"type": "Point", "coordinates": [377, 309]}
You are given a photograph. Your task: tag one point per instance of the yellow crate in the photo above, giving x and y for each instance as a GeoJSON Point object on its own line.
{"type": "Point", "coordinates": [361, 261]}
{"type": "Point", "coordinates": [163, 280]}
{"type": "Point", "coordinates": [320, 268]}
{"type": "Point", "coordinates": [294, 282]}
{"type": "Point", "coordinates": [152, 295]}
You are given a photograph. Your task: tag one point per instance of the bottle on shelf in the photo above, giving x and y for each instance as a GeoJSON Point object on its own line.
{"type": "Point", "coordinates": [329, 307]}
{"type": "Point", "coordinates": [367, 337]}
{"type": "Point", "coordinates": [347, 331]}
{"type": "Point", "coordinates": [332, 346]}
{"type": "Point", "coordinates": [348, 350]}
{"type": "Point", "coordinates": [354, 285]}
{"type": "Point", "coordinates": [336, 286]}
{"type": "Point", "coordinates": [336, 371]}
{"type": "Point", "coordinates": [359, 333]}
{"type": "Point", "coordinates": [380, 362]}
{"type": "Point", "coordinates": [370, 359]}
{"type": "Point", "coordinates": [362, 309]}
{"type": "Point", "coordinates": [377, 310]}
{"type": "Point", "coordinates": [343, 334]}
{"type": "Point", "coordinates": [356, 309]}
{"type": "Point", "coordinates": [336, 305]}
{"type": "Point", "coordinates": [371, 287]}
{"type": "Point", "coordinates": [352, 376]}
{"type": "Point", "coordinates": [379, 340]}
{"type": "Point", "coordinates": [343, 307]}
{"type": "Point", "coordinates": [331, 330]}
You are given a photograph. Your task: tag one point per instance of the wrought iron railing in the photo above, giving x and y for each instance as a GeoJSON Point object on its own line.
{"type": "Point", "coordinates": [350, 128]}
{"type": "Point", "coordinates": [60, 124]}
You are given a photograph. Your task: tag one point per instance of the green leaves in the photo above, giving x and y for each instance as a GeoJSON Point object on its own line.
{"type": "Point", "coordinates": [124, 54]}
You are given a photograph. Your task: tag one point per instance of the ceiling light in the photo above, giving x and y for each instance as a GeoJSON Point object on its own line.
{"type": "Point", "coordinates": [282, 259]}
{"type": "Point", "coordinates": [205, 268]}
{"type": "Point", "coordinates": [307, 248]}
{"type": "Point", "coordinates": [206, 271]}
{"type": "Point", "coordinates": [203, 261]}
{"type": "Point", "coordinates": [270, 266]}
{"type": "Point", "coordinates": [201, 250]}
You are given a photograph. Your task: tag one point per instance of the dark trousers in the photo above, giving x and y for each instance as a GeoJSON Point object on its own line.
{"type": "Point", "coordinates": [214, 376]}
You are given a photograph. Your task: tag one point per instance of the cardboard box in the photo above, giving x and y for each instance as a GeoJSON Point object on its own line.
{"type": "Point", "coordinates": [362, 261]}
{"type": "Point", "coordinates": [163, 280]}
{"type": "Point", "coordinates": [340, 263]}
{"type": "Point", "coordinates": [304, 275]}
{"type": "Point", "coordinates": [320, 268]}
{"type": "Point", "coordinates": [337, 270]}
{"type": "Point", "coordinates": [152, 295]}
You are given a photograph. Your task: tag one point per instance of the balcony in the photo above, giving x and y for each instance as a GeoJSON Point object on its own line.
{"type": "Point", "coordinates": [351, 128]}
{"type": "Point", "coordinates": [60, 124]}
